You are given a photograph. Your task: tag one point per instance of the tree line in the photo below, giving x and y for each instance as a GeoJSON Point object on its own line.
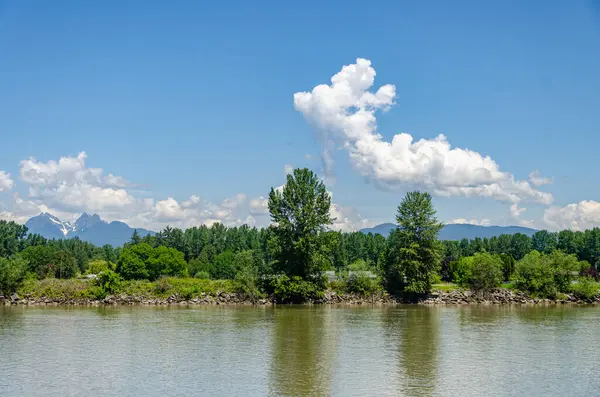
{"type": "Point", "coordinates": [290, 258]}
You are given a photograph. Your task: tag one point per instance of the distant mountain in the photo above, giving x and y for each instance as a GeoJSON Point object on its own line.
{"type": "Point", "coordinates": [458, 231]}
{"type": "Point", "coordinates": [90, 228]}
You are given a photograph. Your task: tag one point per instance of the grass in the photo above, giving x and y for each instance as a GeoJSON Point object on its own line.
{"type": "Point", "coordinates": [445, 287]}
{"type": "Point", "coordinates": [189, 288]}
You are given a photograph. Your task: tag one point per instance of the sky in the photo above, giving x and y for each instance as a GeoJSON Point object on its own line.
{"type": "Point", "coordinates": [184, 113]}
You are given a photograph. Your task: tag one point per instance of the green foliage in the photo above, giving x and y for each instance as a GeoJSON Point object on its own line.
{"type": "Point", "coordinates": [166, 261]}
{"type": "Point", "coordinates": [12, 274]}
{"type": "Point", "coordinates": [64, 264]}
{"type": "Point", "coordinates": [546, 275]}
{"type": "Point", "coordinates": [362, 284]}
{"type": "Point", "coordinates": [224, 267]}
{"type": "Point", "coordinates": [480, 272]}
{"type": "Point", "coordinates": [131, 266]}
{"type": "Point", "coordinates": [12, 238]}
{"type": "Point", "coordinates": [295, 289]}
{"type": "Point", "coordinates": [301, 213]}
{"type": "Point", "coordinates": [99, 266]}
{"type": "Point", "coordinates": [414, 250]}
{"type": "Point", "coordinates": [247, 277]}
{"type": "Point", "coordinates": [39, 259]}
{"type": "Point", "coordinates": [202, 275]}
{"type": "Point", "coordinates": [58, 289]}
{"type": "Point", "coordinates": [586, 288]}
{"type": "Point", "coordinates": [142, 261]}
{"type": "Point", "coordinates": [109, 281]}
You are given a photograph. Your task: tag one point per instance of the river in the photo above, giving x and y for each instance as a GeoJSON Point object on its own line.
{"type": "Point", "coordinates": [300, 351]}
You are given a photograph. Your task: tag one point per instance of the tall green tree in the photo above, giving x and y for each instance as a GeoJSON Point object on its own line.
{"type": "Point", "coordinates": [300, 213]}
{"type": "Point", "coordinates": [414, 250]}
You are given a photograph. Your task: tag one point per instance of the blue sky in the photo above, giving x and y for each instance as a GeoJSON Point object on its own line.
{"type": "Point", "coordinates": [196, 99]}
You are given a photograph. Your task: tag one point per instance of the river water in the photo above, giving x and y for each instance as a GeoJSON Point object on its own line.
{"type": "Point", "coordinates": [300, 351]}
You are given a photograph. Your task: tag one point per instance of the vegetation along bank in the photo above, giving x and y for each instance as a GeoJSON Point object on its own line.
{"type": "Point", "coordinates": [299, 259]}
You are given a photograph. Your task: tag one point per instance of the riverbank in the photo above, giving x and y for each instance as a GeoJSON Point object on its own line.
{"type": "Point", "coordinates": [455, 297]}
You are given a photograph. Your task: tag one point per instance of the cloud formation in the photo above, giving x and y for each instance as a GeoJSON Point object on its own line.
{"type": "Point", "coordinates": [463, 221]}
{"type": "Point", "coordinates": [6, 183]}
{"type": "Point", "coordinates": [344, 112]}
{"type": "Point", "coordinates": [537, 179]}
{"type": "Point", "coordinates": [577, 216]}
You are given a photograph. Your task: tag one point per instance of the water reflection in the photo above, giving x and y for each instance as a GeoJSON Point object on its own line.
{"type": "Point", "coordinates": [303, 351]}
{"type": "Point", "coordinates": [417, 332]}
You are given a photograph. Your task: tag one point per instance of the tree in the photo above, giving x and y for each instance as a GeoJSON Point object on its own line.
{"type": "Point", "coordinates": [12, 272]}
{"type": "Point", "coordinates": [65, 264]}
{"type": "Point", "coordinates": [480, 272]}
{"type": "Point", "coordinates": [415, 251]}
{"type": "Point", "coordinates": [135, 237]}
{"type": "Point", "coordinates": [165, 261]}
{"type": "Point", "coordinates": [544, 241]}
{"type": "Point", "coordinates": [131, 265]}
{"type": "Point", "coordinates": [300, 213]}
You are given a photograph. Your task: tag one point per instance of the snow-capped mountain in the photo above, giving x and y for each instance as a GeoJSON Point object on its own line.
{"type": "Point", "coordinates": [89, 228]}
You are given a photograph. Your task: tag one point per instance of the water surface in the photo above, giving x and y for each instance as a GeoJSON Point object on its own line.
{"type": "Point", "coordinates": [300, 351]}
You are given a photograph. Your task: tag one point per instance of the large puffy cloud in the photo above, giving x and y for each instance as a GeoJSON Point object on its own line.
{"type": "Point", "coordinates": [577, 216]}
{"type": "Point", "coordinates": [6, 183]}
{"type": "Point", "coordinates": [344, 112]}
{"type": "Point", "coordinates": [69, 185]}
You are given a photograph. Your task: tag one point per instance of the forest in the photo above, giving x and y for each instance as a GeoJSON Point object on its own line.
{"type": "Point", "coordinates": [293, 259]}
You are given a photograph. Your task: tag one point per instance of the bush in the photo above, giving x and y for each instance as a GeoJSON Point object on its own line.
{"type": "Point", "coordinates": [12, 274]}
{"type": "Point", "coordinates": [202, 275]}
{"type": "Point", "coordinates": [99, 266]}
{"type": "Point", "coordinates": [546, 275]}
{"type": "Point", "coordinates": [585, 288]}
{"type": "Point", "coordinates": [131, 266]}
{"type": "Point", "coordinates": [247, 278]}
{"type": "Point", "coordinates": [162, 285]}
{"type": "Point", "coordinates": [534, 276]}
{"type": "Point", "coordinates": [109, 281]}
{"type": "Point", "coordinates": [96, 292]}
{"type": "Point", "coordinates": [360, 283]}
{"type": "Point", "coordinates": [591, 272]}
{"type": "Point", "coordinates": [480, 272]}
{"type": "Point", "coordinates": [295, 289]}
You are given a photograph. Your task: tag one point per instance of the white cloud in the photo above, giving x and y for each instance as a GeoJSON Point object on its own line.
{"type": "Point", "coordinates": [259, 206]}
{"type": "Point", "coordinates": [6, 183]}
{"type": "Point", "coordinates": [577, 216]}
{"type": "Point", "coordinates": [347, 219]}
{"type": "Point", "coordinates": [69, 185]}
{"type": "Point", "coordinates": [462, 221]}
{"type": "Point", "coordinates": [537, 179]}
{"type": "Point", "coordinates": [344, 112]}
{"type": "Point", "coordinates": [288, 169]}
{"type": "Point", "coordinates": [516, 211]}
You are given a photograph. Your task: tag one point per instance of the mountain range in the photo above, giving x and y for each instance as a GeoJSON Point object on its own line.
{"type": "Point", "coordinates": [90, 228]}
{"type": "Point", "coordinates": [458, 231]}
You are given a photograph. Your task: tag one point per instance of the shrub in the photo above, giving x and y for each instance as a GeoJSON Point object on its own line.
{"type": "Point", "coordinates": [109, 281]}
{"type": "Point", "coordinates": [546, 275]}
{"type": "Point", "coordinates": [585, 288]}
{"type": "Point", "coordinates": [202, 275]}
{"type": "Point", "coordinates": [360, 283]}
{"type": "Point", "coordinates": [131, 266]}
{"type": "Point", "coordinates": [12, 274]}
{"type": "Point", "coordinates": [480, 272]}
{"type": "Point", "coordinates": [224, 267]}
{"type": "Point", "coordinates": [99, 266]}
{"type": "Point", "coordinates": [295, 289]}
{"type": "Point", "coordinates": [162, 285]}
{"type": "Point", "coordinates": [96, 292]}
{"type": "Point", "coordinates": [534, 276]}
{"type": "Point", "coordinates": [247, 278]}
{"type": "Point", "coordinates": [591, 272]}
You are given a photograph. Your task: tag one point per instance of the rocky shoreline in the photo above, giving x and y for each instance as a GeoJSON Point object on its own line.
{"type": "Point", "coordinates": [456, 297]}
